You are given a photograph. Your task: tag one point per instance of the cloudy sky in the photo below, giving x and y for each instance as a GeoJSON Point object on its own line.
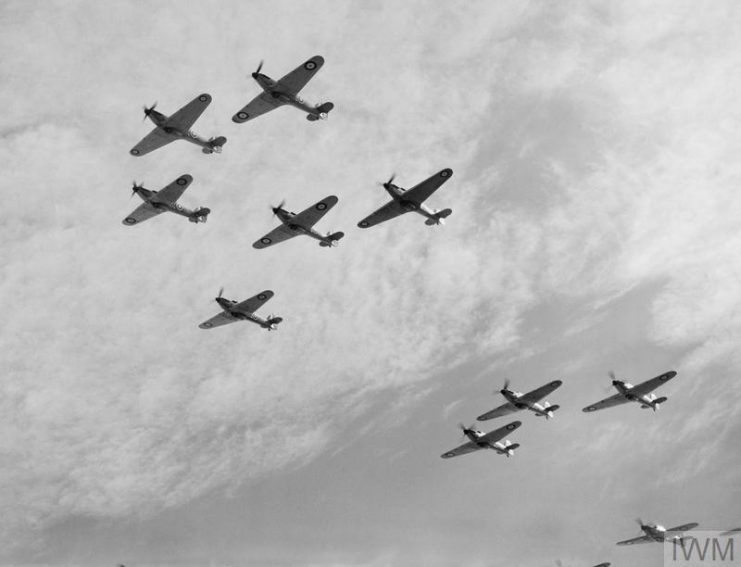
{"type": "Point", "coordinates": [595, 227]}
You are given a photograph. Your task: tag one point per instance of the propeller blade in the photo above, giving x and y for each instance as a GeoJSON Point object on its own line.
{"type": "Point", "coordinates": [135, 187]}
{"type": "Point", "coordinates": [640, 522]}
{"type": "Point", "coordinates": [506, 383]}
{"type": "Point", "coordinates": [147, 111]}
{"type": "Point", "coordinates": [221, 290]}
{"type": "Point", "coordinates": [259, 67]}
{"type": "Point", "coordinates": [274, 209]}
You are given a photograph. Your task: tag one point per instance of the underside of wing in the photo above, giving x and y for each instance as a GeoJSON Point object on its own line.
{"type": "Point", "coordinates": [222, 318]}
{"type": "Point", "coordinates": [155, 139]}
{"type": "Point", "coordinates": [641, 539]}
{"type": "Point", "coordinates": [309, 217]}
{"type": "Point", "coordinates": [420, 192]}
{"type": "Point", "coordinates": [296, 80]}
{"type": "Point", "coordinates": [184, 118]}
{"type": "Point", "coordinates": [610, 402]}
{"type": "Point", "coordinates": [540, 393]}
{"type": "Point", "coordinates": [141, 213]}
{"type": "Point", "coordinates": [258, 106]}
{"type": "Point", "coordinates": [253, 303]}
{"type": "Point", "coordinates": [274, 237]}
{"type": "Point", "coordinates": [502, 410]}
{"type": "Point", "coordinates": [174, 190]}
{"type": "Point", "coordinates": [501, 433]}
{"type": "Point", "coordinates": [387, 212]}
{"type": "Point", "coordinates": [684, 527]}
{"type": "Point", "coordinates": [650, 385]}
{"type": "Point", "coordinates": [469, 447]}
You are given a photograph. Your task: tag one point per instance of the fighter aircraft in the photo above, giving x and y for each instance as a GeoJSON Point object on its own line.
{"type": "Point", "coordinates": [517, 401]}
{"type": "Point", "coordinates": [285, 91]}
{"type": "Point", "coordinates": [491, 440]}
{"type": "Point", "coordinates": [156, 202]}
{"type": "Point", "coordinates": [177, 127]}
{"type": "Point", "coordinates": [657, 533]}
{"type": "Point", "coordinates": [638, 393]}
{"type": "Point", "coordinates": [301, 223]}
{"type": "Point", "coordinates": [243, 311]}
{"type": "Point", "coordinates": [406, 200]}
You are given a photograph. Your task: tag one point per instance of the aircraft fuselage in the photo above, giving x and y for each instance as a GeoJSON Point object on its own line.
{"type": "Point", "coordinates": [271, 87]}
{"type": "Point", "coordinates": [228, 306]}
{"type": "Point", "coordinates": [500, 447]}
{"type": "Point", "coordinates": [286, 217]}
{"type": "Point", "coordinates": [537, 408]}
{"type": "Point", "coordinates": [195, 215]}
{"type": "Point", "coordinates": [647, 400]}
{"type": "Point", "coordinates": [160, 119]}
{"type": "Point", "coordinates": [397, 193]}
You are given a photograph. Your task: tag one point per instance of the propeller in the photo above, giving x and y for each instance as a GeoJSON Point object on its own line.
{"type": "Point", "coordinates": [221, 290]}
{"type": "Point", "coordinates": [135, 188]}
{"type": "Point", "coordinates": [259, 68]}
{"type": "Point", "coordinates": [148, 111]}
{"type": "Point", "coordinates": [506, 384]}
{"type": "Point", "coordinates": [390, 181]}
{"type": "Point", "coordinates": [280, 206]}
{"type": "Point", "coordinates": [640, 522]}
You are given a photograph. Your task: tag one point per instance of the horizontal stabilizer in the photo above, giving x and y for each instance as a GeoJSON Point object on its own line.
{"type": "Point", "coordinates": [220, 141]}
{"type": "Point", "coordinates": [444, 213]}
{"type": "Point", "coordinates": [325, 108]}
{"type": "Point", "coordinates": [660, 400]}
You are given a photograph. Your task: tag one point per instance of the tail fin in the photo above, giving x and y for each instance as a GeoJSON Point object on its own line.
{"type": "Point", "coordinates": [331, 239]}
{"type": "Point", "coordinates": [214, 145]}
{"type": "Point", "coordinates": [321, 112]}
{"type": "Point", "coordinates": [511, 449]}
{"type": "Point", "coordinates": [200, 215]}
{"type": "Point", "coordinates": [438, 217]}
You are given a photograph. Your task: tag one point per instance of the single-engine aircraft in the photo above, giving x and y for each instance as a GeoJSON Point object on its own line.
{"type": "Point", "coordinates": [156, 202]}
{"type": "Point", "coordinates": [301, 223]}
{"type": "Point", "coordinates": [491, 440]}
{"type": "Point", "coordinates": [285, 91]}
{"type": "Point", "coordinates": [657, 533]}
{"type": "Point", "coordinates": [639, 393]}
{"type": "Point", "coordinates": [242, 311]}
{"type": "Point", "coordinates": [517, 401]}
{"type": "Point", "coordinates": [407, 200]}
{"type": "Point", "coordinates": [177, 127]}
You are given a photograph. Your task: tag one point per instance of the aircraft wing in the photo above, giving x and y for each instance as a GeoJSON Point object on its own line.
{"type": "Point", "coordinates": [184, 118]}
{"type": "Point", "coordinates": [387, 212]}
{"type": "Point", "coordinates": [684, 527]}
{"type": "Point", "coordinates": [610, 402]}
{"type": "Point", "coordinates": [275, 236]}
{"type": "Point", "coordinates": [650, 385]}
{"type": "Point", "coordinates": [540, 393]}
{"type": "Point", "coordinates": [309, 217]}
{"type": "Point", "coordinates": [499, 434]}
{"type": "Point", "coordinates": [258, 106]}
{"type": "Point", "coordinates": [174, 190]}
{"type": "Point", "coordinates": [296, 80]}
{"type": "Point", "coordinates": [502, 410]}
{"type": "Point", "coordinates": [253, 303]}
{"type": "Point", "coordinates": [422, 191]}
{"type": "Point", "coordinates": [469, 447]}
{"type": "Point", "coordinates": [641, 539]}
{"type": "Point", "coordinates": [141, 213]}
{"type": "Point", "coordinates": [155, 139]}
{"type": "Point", "coordinates": [222, 318]}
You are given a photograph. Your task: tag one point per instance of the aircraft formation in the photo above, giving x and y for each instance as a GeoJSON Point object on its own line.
{"type": "Point", "coordinates": [284, 92]}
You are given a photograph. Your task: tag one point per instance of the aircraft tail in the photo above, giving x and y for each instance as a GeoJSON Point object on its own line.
{"type": "Point", "coordinates": [322, 110]}
{"type": "Point", "coordinates": [273, 323]}
{"type": "Point", "coordinates": [549, 410]}
{"type": "Point", "coordinates": [200, 215]}
{"type": "Point", "coordinates": [510, 449]}
{"type": "Point", "coordinates": [332, 238]}
{"type": "Point", "coordinates": [215, 145]}
{"type": "Point", "coordinates": [438, 217]}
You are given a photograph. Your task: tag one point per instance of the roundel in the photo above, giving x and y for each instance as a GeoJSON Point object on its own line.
{"type": "Point", "coordinates": [262, 297]}
{"type": "Point", "coordinates": [203, 98]}
{"type": "Point", "coordinates": [511, 426]}
{"type": "Point", "coordinates": [182, 181]}
{"type": "Point", "coordinates": [242, 115]}
{"type": "Point", "coordinates": [364, 224]}
{"type": "Point", "coordinates": [591, 408]}
{"type": "Point", "coordinates": [309, 65]}
{"type": "Point", "coordinates": [444, 173]}
{"type": "Point", "coordinates": [130, 220]}
{"type": "Point", "coordinates": [265, 240]}
{"type": "Point", "coordinates": [135, 152]}
{"type": "Point", "coordinates": [208, 325]}
{"type": "Point", "coordinates": [321, 206]}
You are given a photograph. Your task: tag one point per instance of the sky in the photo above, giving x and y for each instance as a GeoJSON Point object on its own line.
{"type": "Point", "coordinates": [595, 228]}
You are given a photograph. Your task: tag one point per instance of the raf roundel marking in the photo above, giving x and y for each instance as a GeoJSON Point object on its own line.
{"type": "Point", "coordinates": [130, 220]}
{"type": "Point", "coordinates": [135, 152]}
{"type": "Point", "coordinates": [321, 206]}
{"type": "Point", "coordinates": [364, 224]}
{"type": "Point", "coordinates": [242, 115]}
{"type": "Point", "coordinates": [445, 173]}
{"type": "Point", "coordinates": [310, 66]}
{"type": "Point", "coordinates": [203, 98]}
{"type": "Point", "coordinates": [265, 240]}
{"type": "Point", "coordinates": [262, 297]}
{"type": "Point", "coordinates": [182, 181]}
{"type": "Point", "coordinates": [511, 426]}
{"type": "Point", "coordinates": [591, 408]}
{"type": "Point", "coordinates": [208, 325]}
